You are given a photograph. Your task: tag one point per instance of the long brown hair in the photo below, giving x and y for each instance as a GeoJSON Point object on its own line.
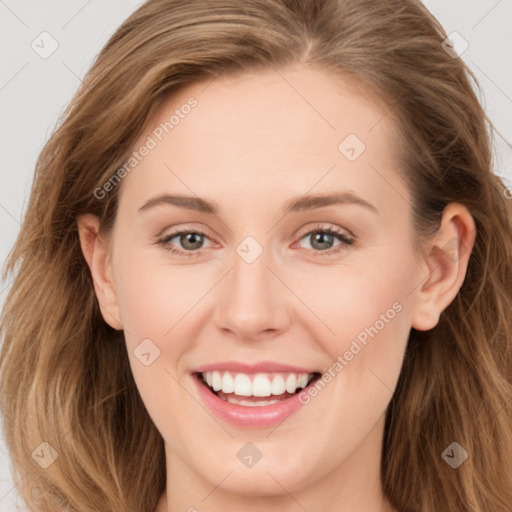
{"type": "Point", "coordinates": [65, 375]}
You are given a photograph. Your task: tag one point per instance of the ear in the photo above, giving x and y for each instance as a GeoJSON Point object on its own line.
{"type": "Point", "coordinates": [445, 263]}
{"type": "Point", "coordinates": [95, 250]}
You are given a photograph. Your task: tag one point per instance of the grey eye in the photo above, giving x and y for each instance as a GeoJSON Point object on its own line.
{"type": "Point", "coordinates": [191, 241]}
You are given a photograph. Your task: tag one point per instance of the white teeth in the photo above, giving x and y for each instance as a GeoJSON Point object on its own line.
{"type": "Point", "coordinates": [278, 386]}
{"type": "Point", "coordinates": [260, 385]}
{"type": "Point", "coordinates": [228, 386]}
{"type": "Point", "coordinates": [248, 403]}
{"type": "Point", "coordinates": [291, 383]}
{"type": "Point", "coordinates": [216, 381]}
{"type": "Point", "coordinates": [302, 380]}
{"type": "Point", "coordinates": [242, 385]}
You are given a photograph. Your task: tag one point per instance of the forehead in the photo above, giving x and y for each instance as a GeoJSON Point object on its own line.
{"type": "Point", "coordinates": [264, 131]}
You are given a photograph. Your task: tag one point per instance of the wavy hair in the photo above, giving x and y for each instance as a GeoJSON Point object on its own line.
{"type": "Point", "coordinates": [65, 377]}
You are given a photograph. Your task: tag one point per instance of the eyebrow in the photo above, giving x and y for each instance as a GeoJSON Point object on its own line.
{"type": "Point", "coordinates": [296, 204]}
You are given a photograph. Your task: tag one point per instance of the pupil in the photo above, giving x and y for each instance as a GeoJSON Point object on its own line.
{"type": "Point", "coordinates": [186, 238]}
{"type": "Point", "coordinates": [319, 237]}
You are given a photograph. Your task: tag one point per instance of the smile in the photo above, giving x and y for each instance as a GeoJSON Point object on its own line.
{"type": "Point", "coordinates": [251, 397]}
{"type": "Point", "coordinates": [251, 390]}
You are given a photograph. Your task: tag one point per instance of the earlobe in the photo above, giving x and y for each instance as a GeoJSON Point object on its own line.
{"type": "Point", "coordinates": [445, 265]}
{"type": "Point", "coordinates": [95, 251]}
{"type": "Point", "coordinates": [425, 319]}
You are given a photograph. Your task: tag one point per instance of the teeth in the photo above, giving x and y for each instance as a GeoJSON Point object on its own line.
{"type": "Point", "coordinates": [291, 383]}
{"type": "Point", "coordinates": [302, 380]}
{"type": "Point", "coordinates": [242, 385]}
{"type": "Point", "coordinates": [228, 385]}
{"type": "Point", "coordinates": [260, 385]}
{"type": "Point", "coordinates": [278, 385]}
{"type": "Point", "coordinates": [216, 381]}
{"type": "Point", "coordinates": [248, 403]}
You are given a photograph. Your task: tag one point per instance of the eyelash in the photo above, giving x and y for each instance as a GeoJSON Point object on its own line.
{"type": "Point", "coordinates": [344, 238]}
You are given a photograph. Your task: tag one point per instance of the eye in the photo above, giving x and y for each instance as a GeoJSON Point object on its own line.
{"type": "Point", "coordinates": [321, 239]}
{"type": "Point", "coordinates": [190, 240]}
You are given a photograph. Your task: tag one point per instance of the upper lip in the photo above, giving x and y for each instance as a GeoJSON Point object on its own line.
{"type": "Point", "coordinates": [261, 367]}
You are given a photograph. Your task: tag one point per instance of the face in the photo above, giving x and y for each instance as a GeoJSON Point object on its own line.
{"type": "Point", "coordinates": [256, 280]}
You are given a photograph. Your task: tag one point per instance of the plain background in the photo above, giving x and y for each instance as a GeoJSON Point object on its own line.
{"type": "Point", "coordinates": [35, 90]}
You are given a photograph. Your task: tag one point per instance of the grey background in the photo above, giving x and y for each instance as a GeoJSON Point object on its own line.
{"type": "Point", "coordinates": [34, 91]}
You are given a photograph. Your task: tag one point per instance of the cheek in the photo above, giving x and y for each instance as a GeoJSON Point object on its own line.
{"type": "Point", "coordinates": [365, 319]}
{"type": "Point", "coordinates": [154, 297]}
{"type": "Point", "coordinates": [153, 302]}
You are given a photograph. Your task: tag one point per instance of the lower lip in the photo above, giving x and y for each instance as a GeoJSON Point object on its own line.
{"type": "Point", "coordinates": [242, 416]}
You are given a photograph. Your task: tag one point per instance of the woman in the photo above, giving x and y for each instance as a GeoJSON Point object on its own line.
{"type": "Point", "coordinates": [170, 344]}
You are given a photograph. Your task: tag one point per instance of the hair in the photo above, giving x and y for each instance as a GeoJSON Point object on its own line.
{"type": "Point", "coordinates": [65, 377]}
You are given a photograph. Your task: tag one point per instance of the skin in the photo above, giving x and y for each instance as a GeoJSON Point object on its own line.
{"type": "Point", "coordinates": [252, 143]}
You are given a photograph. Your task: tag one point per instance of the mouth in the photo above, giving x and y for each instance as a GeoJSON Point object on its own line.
{"type": "Point", "coordinates": [255, 389]}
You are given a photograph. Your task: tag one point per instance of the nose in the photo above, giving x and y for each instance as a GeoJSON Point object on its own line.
{"type": "Point", "coordinates": [254, 303]}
